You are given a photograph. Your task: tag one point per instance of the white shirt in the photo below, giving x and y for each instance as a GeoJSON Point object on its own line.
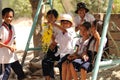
{"type": "Point", "coordinates": [6, 56]}
{"type": "Point", "coordinates": [56, 31]}
{"type": "Point", "coordinates": [65, 41]}
{"type": "Point", "coordinates": [92, 46]}
{"type": "Point", "coordinates": [82, 45]}
{"type": "Point", "coordinates": [88, 17]}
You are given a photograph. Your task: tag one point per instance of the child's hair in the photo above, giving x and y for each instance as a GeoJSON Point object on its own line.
{"type": "Point", "coordinates": [98, 24]}
{"type": "Point", "coordinates": [7, 10]}
{"type": "Point", "coordinates": [87, 25]}
{"type": "Point", "coordinates": [54, 12]}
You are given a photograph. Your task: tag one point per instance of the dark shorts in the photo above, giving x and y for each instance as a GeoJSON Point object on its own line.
{"type": "Point", "coordinates": [48, 63]}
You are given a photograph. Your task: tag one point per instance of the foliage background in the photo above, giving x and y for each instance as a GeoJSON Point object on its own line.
{"type": "Point", "coordinates": [23, 8]}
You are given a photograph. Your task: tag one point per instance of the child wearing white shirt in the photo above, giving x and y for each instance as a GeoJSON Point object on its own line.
{"type": "Point", "coordinates": [8, 59]}
{"type": "Point", "coordinates": [65, 40]}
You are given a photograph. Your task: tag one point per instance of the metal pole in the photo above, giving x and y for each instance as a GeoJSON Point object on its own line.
{"type": "Point", "coordinates": [51, 3]}
{"type": "Point", "coordinates": [32, 29]}
{"type": "Point", "coordinates": [109, 62]}
{"type": "Point", "coordinates": [105, 27]}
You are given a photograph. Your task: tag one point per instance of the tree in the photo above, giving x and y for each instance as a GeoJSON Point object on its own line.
{"type": "Point", "coordinates": [36, 34]}
{"type": "Point", "coordinates": [22, 7]}
{"type": "Point", "coordinates": [116, 6]}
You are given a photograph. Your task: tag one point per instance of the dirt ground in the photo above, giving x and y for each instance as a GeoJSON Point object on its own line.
{"type": "Point", "coordinates": [23, 27]}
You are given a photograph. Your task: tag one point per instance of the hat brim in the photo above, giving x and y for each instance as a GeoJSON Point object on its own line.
{"type": "Point", "coordinates": [87, 10]}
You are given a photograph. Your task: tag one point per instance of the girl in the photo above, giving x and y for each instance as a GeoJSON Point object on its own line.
{"type": "Point", "coordinates": [91, 50]}
{"type": "Point", "coordinates": [82, 60]}
{"type": "Point", "coordinates": [96, 32]}
{"type": "Point", "coordinates": [8, 58]}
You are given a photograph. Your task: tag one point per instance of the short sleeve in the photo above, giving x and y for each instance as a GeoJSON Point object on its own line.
{"type": "Point", "coordinates": [78, 42]}
{"type": "Point", "coordinates": [1, 33]}
{"type": "Point", "coordinates": [14, 35]}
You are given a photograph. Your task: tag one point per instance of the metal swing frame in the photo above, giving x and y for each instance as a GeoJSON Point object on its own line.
{"type": "Point", "coordinates": [98, 63]}
{"type": "Point", "coordinates": [32, 30]}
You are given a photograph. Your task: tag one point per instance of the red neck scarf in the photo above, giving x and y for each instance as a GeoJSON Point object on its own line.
{"type": "Point", "coordinates": [10, 33]}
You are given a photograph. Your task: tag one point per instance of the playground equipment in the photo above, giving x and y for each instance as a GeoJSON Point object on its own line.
{"type": "Point", "coordinates": [105, 27]}
{"type": "Point", "coordinates": [32, 30]}
{"type": "Point", "coordinates": [98, 63]}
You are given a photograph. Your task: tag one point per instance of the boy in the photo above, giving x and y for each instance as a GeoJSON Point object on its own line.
{"type": "Point", "coordinates": [8, 58]}
{"type": "Point", "coordinates": [49, 34]}
{"type": "Point", "coordinates": [65, 40]}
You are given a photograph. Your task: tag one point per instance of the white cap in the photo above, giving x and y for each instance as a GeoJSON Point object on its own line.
{"type": "Point", "coordinates": [66, 17]}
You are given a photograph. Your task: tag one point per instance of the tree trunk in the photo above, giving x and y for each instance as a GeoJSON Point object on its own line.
{"type": "Point", "coordinates": [38, 29]}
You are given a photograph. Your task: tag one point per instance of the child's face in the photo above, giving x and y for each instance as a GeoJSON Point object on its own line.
{"type": "Point", "coordinates": [8, 17]}
{"type": "Point", "coordinates": [83, 31]}
{"type": "Point", "coordinates": [51, 18]}
{"type": "Point", "coordinates": [81, 12]}
{"type": "Point", "coordinates": [66, 24]}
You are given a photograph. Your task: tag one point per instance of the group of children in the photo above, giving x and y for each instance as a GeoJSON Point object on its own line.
{"type": "Point", "coordinates": [72, 53]}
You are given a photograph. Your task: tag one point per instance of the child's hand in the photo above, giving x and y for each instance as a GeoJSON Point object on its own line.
{"type": "Point", "coordinates": [85, 57]}
{"type": "Point", "coordinates": [71, 57]}
{"type": "Point", "coordinates": [53, 45]}
{"type": "Point", "coordinates": [12, 49]}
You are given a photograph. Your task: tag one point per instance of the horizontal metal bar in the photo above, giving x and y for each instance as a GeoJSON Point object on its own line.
{"type": "Point", "coordinates": [37, 48]}
{"type": "Point", "coordinates": [109, 62]}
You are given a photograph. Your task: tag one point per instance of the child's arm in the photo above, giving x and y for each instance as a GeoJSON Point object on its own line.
{"type": "Point", "coordinates": [53, 45]}
{"type": "Point", "coordinates": [97, 37]}
{"type": "Point", "coordinates": [14, 45]}
{"type": "Point", "coordinates": [74, 55]}
{"type": "Point", "coordinates": [58, 26]}
{"type": "Point", "coordinates": [12, 49]}
{"type": "Point", "coordinates": [85, 56]}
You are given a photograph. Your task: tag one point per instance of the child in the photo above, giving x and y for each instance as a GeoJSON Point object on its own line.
{"type": "Point", "coordinates": [82, 60]}
{"type": "Point", "coordinates": [65, 41]}
{"type": "Point", "coordinates": [50, 58]}
{"type": "Point", "coordinates": [91, 50]}
{"type": "Point", "coordinates": [96, 32]}
{"type": "Point", "coordinates": [82, 15]}
{"type": "Point", "coordinates": [48, 31]}
{"type": "Point", "coordinates": [8, 58]}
